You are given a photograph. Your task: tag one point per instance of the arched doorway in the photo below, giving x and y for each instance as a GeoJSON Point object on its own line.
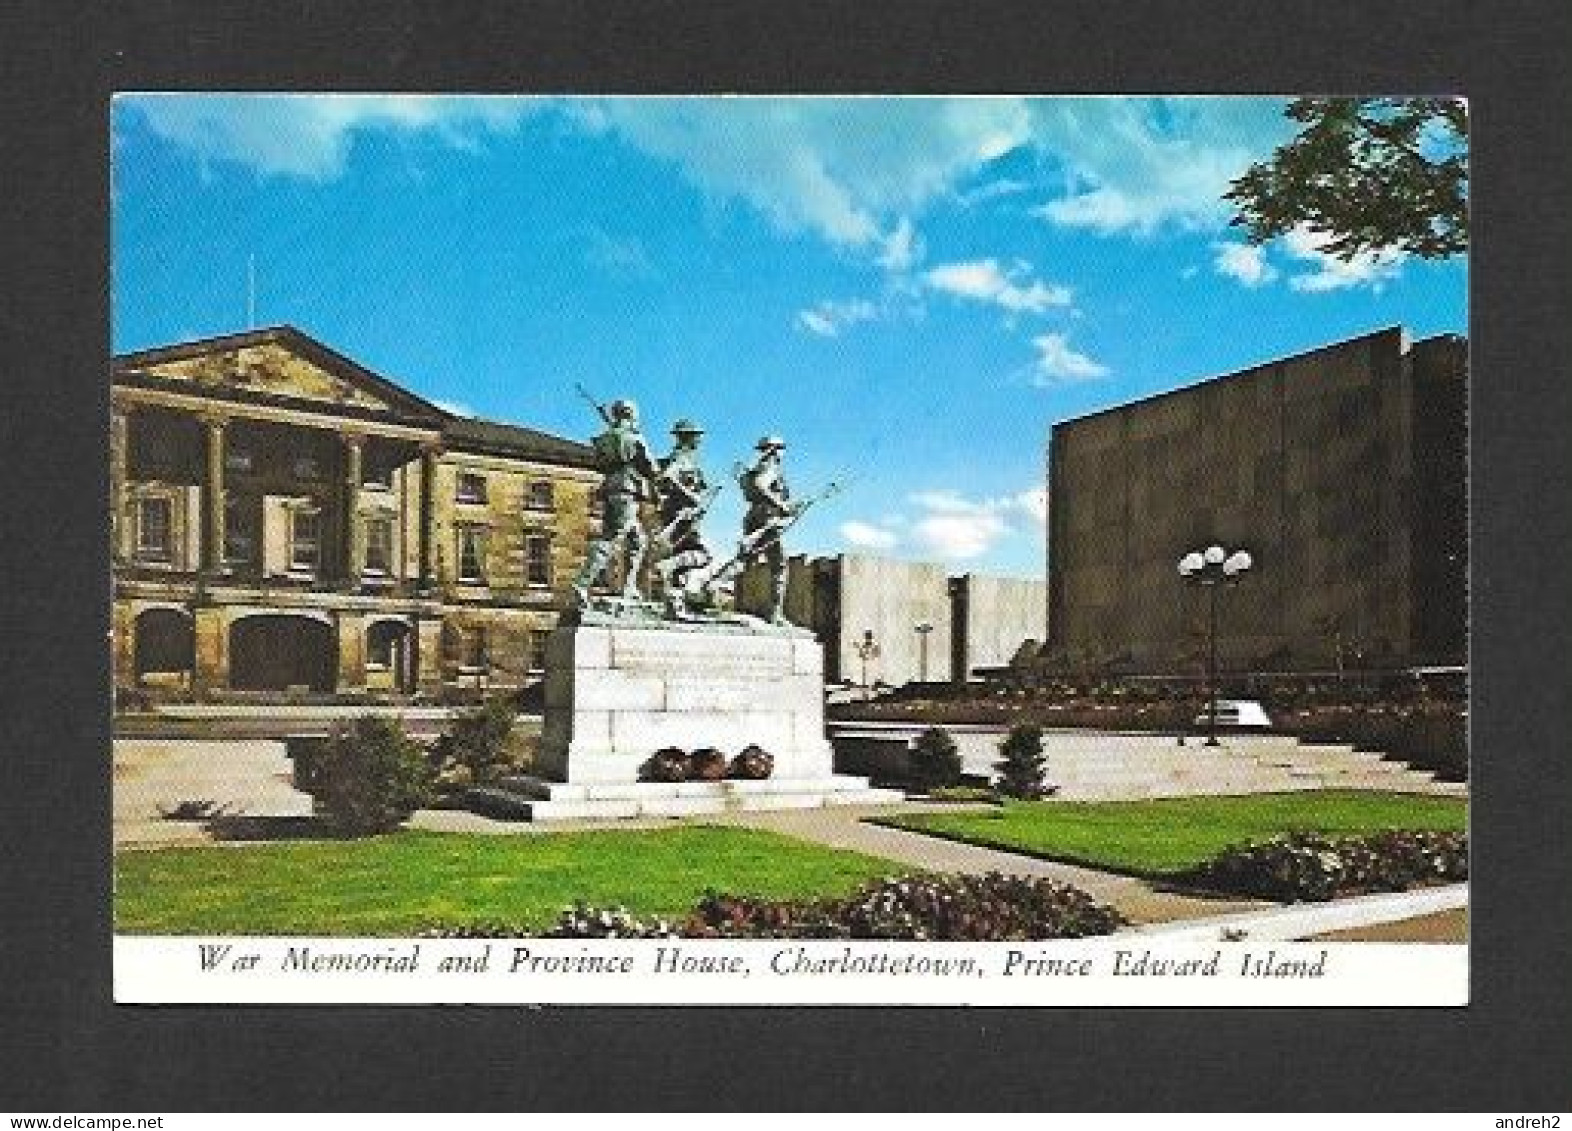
{"type": "Point", "coordinates": [165, 647]}
{"type": "Point", "coordinates": [389, 656]}
{"type": "Point", "coordinates": [282, 652]}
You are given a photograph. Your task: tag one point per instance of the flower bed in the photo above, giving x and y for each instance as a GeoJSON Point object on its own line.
{"type": "Point", "coordinates": [992, 907]}
{"type": "Point", "coordinates": [1311, 867]}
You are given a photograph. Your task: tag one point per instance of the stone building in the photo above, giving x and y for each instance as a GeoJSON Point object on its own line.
{"type": "Point", "coordinates": [1342, 471]}
{"type": "Point", "coordinates": [927, 626]}
{"type": "Point", "coordinates": [288, 524]}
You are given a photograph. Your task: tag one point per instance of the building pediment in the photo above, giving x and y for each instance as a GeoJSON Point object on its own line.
{"type": "Point", "coordinates": [278, 362]}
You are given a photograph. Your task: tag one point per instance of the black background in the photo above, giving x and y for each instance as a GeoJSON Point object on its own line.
{"type": "Point", "coordinates": [64, 1046]}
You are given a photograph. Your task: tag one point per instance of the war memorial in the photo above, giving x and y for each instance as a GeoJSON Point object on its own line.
{"type": "Point", "coordinates": [671, 668]}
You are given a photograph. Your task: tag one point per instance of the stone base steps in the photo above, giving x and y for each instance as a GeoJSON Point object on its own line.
{"type": "Point", "coordinates": [526, 798]}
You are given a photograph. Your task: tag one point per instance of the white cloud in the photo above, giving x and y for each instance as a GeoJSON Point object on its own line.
{"type": "Point", "coordinates": [993, 190]}
{"type": "Point", "coordinates": [457, 408]}
{"type": "Point", "coordinates": [1058, 363]}
{"type": "Point", "coordinates": [1138, 165]}
{"type": "Point", "coordinates": [1245, 263]}
{"type": "Point", "coordinates": [902, 248]}
{"type": "Point", "coordinates": [309, 135]}
{"type": "Point", "coordinates": [955, 527]}
{"type": "Point", "coordinates": [865, 535]}
{"type": "Point", "coordinates": [621, 257]}
{"type": "Point", "coordinates": [829, 318]}
{"type": "Point", "coordinates": [1372, 269]}
{"type": "Point", "coordinates": [850, 170]}
{"type": "Point", "coordinates": [983, 281]}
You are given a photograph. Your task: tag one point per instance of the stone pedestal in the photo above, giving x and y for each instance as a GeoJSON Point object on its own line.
{"type": "Point", "coordinates": [618, 692]}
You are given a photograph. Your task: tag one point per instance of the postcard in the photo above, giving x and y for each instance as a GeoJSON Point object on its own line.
{"type": "Point", "coordinates": [789, 550]}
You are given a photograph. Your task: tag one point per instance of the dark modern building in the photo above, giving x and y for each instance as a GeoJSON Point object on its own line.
{"type": "Point", "coordinates": [1342, 471]}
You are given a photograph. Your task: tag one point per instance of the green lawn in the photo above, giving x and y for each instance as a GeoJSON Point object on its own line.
{"type": "Point", "coordinates": [393, 885]}
{"type": "Point", "coordinates": [1170, 835]}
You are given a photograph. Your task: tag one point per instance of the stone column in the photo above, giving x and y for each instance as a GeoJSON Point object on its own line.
{"type": "Point", "coordinates": [428, 513]}
{"type": "Point", "coordinates": [351, 653]}
{"type": "Point", "coordinates": [210, 671]}
{"type": "Point", "coordinates": [213, 495]}
{"type": "Point", "coordinates": [349, 550]}
{"type": "Point", "coordinates": [428, 656]}
{"type": "Point", "coordinates": [119, 453]}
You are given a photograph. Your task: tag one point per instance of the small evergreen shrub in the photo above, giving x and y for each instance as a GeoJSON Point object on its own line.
{"type": "Point", "coordinates": [1022, 765]}
{"type": "Point", "coordinates": [478, 748]}
{"type": "Point", "coordinates": [964, 794]}
{"type": "Point", "coordinates": [934, 760]}
{"type": "Point", "coordinates": [1311, 867]}
{"type": "Point", "coordinates": [753, 764]}
{"type": "Point", "coordinates": [667, 764]}
{"type": "Point", "coordinates": [706, 764]}
{"type": "Point", "coordinates": [369, 777]}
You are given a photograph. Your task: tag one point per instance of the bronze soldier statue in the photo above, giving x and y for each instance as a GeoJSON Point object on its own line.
{"type": "Point", "coordinates": [685, 495]}
{"type": "Point", "coordinates": [624, 459]}
{"type": "Point", "coordinates": [770, 511]}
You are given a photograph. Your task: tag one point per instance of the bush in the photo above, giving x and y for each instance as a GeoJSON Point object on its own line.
{"type": "Point", "coordinates": [478, 750]}
{"type": "Point", "coordinates": [963, 794]}
{"type": "Point", "coordinates": [1313, 867]}
{"type": "Point", "coordinates": [1023, 764]}
{"type": "Point", "coordinates": [706, 764]}
{"type": "Point", "coordinates": [668, 764]}
{"type": "Point", "coordinates": [992, 907]}
{"type": "Point", "coordinates": [369, 777]}
{"type": "Point", "coordinates": [582, 921]}
{"type": "Point", "coordinates": [753, 764]}
{"type": "Point", "coordinates": [934, 760]}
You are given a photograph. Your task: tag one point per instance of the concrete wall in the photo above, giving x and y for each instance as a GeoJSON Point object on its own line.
{"type": "Point", "coordinates": [1307, 462]}
{"type": "Point", "coordinates": [993, 617]}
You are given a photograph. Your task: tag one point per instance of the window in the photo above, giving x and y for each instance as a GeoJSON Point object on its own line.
{"type": "Point", "coordinates": [240, 531]}
{"type": "Point", "coordinates": [541, 496]}
{"type": "Point", "coordinates": [378, 474]}
{"type": "Point", "coordinates": [305, 539]}
{"type": "Point", "coordinates": [154, 528]}
{"type": "Point", "coordinates": [537, 559]}
{"type": "Point", "coordinates": [471, 487]}
{"type": "Point", "coordinates": [472, 554]}
{"type": "Point", "coordinates": [538, 639]}
{"type": "Point", "coordinates": [475, 654]}
{"type": "Point", "coordinates": [379, 545]}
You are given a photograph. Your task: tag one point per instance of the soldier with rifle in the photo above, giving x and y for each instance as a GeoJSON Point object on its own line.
{"type": "Point", "coordinates": [770, 511]}
{"type": "Point", "coordinates": [685, 495]}
{"type": "Point", "coordinates": [628, 469]}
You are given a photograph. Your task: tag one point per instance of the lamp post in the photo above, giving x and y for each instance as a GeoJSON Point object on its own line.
{"type": "Point", "coordinates": [922, 630]}
{"type": "Point", "coordinates": [1211, 569]}
{"type": "Point", "coordinates": [867, 649]}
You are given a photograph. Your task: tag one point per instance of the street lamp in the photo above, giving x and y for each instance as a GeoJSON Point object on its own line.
{"type": "Point", "coordinates": [1213, 568]}
{"type": "Point", "coordinates": [922, 630]}
{"type": "Point", "coordinates": [867, 649]}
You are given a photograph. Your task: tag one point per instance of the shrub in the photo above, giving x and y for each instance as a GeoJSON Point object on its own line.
{"type": "Point", "coordinates": [583, 921]}
{"type": "Point", "coordinates": [1022, 764]}
{"type": "Point", "coordinates": [753, 764]}
{"type": "Point", "coordinates": [1312, 867]}
{"type": "Point", "coordinates": [668, 764]}
{"type": "Point", "coordinates": [196, 810]}
{"type": "Point", "coordinates": [369, 777]}
{"type": "Point", "coordinates": [478, 750]}
{"type": "Point", "coordinates": [963, 794]}
{"type": "Point", "coordinates": [991, 907]}
{"type": "Point", "coordinates": [706, 764]}
{"type": "Point", "coordinates": [934, 760]}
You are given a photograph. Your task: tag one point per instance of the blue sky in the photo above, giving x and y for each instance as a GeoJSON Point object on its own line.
{"type": "Point", "coordinates": [911, 291]}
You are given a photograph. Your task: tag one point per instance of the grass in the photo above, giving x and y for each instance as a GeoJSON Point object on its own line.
{"type": "Point", "coordinates": [396, 884]}
{"type": "Point", "coordinates": [1166, 836]}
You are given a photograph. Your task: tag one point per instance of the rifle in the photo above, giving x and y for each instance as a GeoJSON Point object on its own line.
{"type": "Point", "coordinates": [691, 513]}
{"type": "Point", "coordinates": [770, 532]}
{"type": "Point", "coordinates": [600, 409]}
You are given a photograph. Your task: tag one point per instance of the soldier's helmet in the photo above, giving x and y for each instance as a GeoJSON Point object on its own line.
{"type": "Point", "coordinates": [624, 410]}
{"type": "Point", "coordinates": [770, 444]}
{"type": "Point", "coordinates": [686, 427]}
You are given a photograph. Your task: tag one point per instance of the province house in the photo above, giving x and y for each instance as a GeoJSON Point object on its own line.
{"type": "Point", "coordinates": [289, 525]}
